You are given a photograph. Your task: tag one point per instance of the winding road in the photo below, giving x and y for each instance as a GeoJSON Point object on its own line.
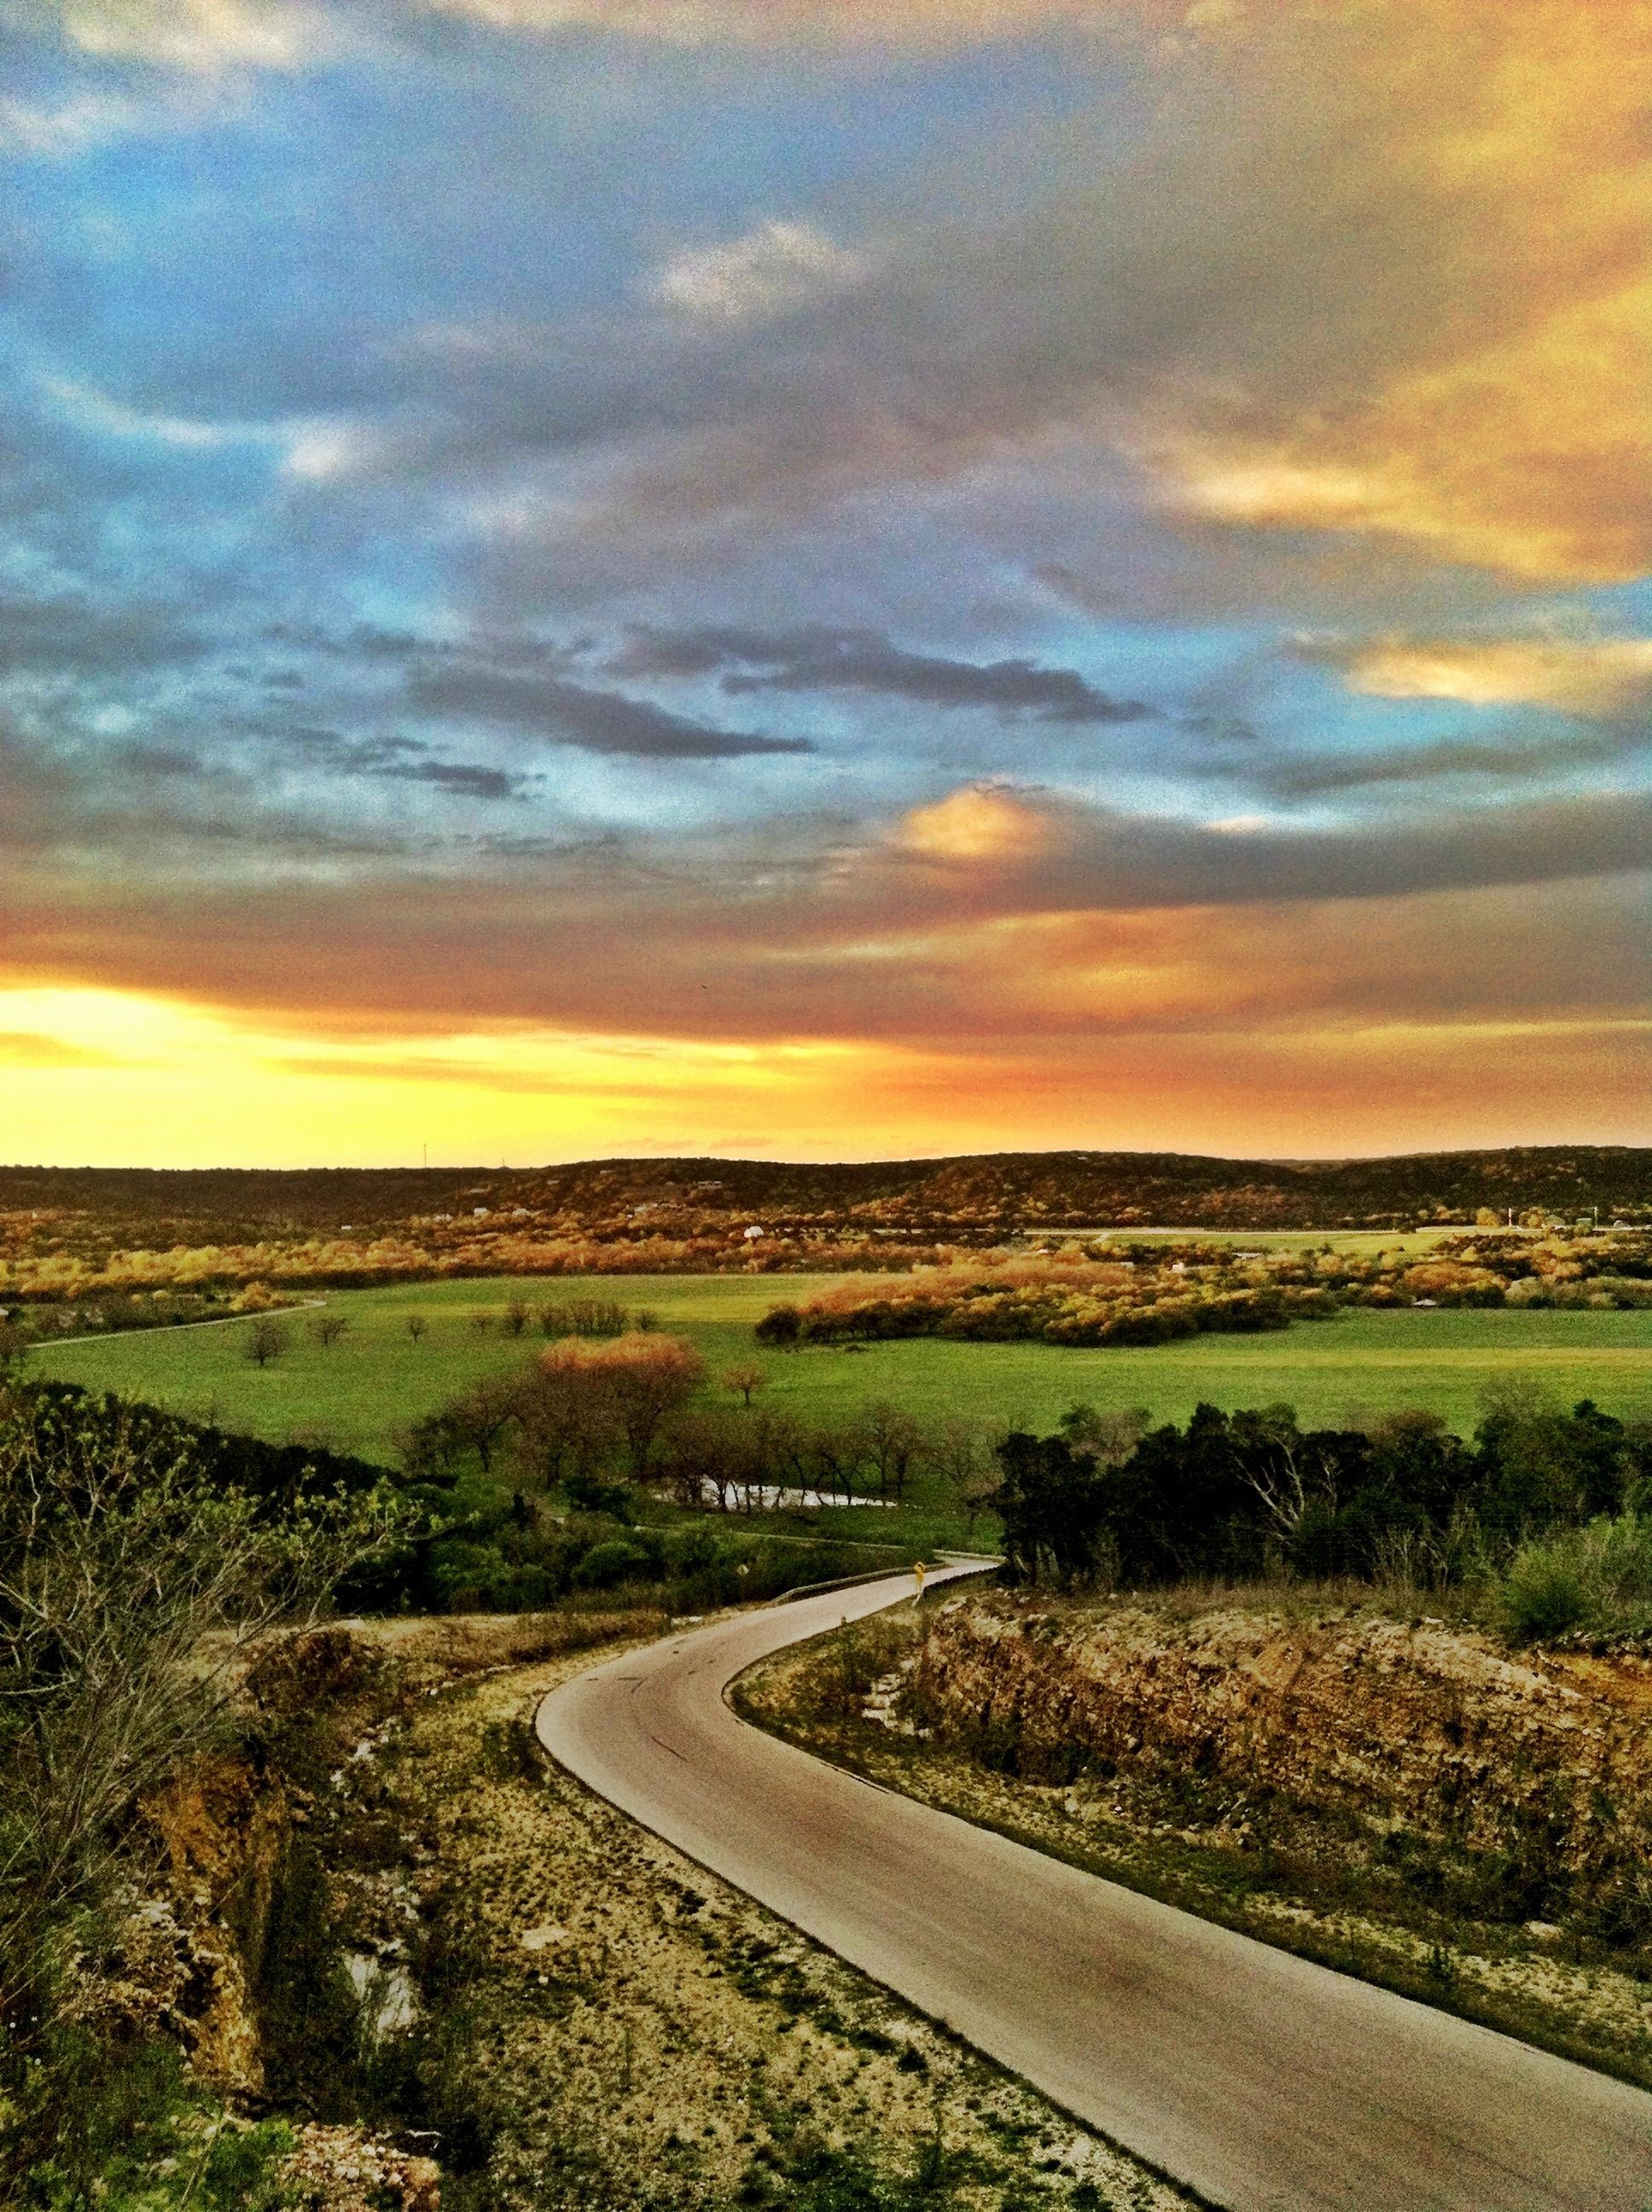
{"type": "Point", "coordinates": [1257, 2079]}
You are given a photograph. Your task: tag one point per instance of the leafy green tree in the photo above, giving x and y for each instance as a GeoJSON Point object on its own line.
{"type": "Point", "coordinates": [1052, 1501]}
{"type": "Point", "coordinates": [780, 1329]}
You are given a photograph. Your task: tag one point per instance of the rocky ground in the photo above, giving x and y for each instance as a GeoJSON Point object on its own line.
{"type": "Point", "coordinates": [461, 1981]}
{"type": "Point", "coordinates": [1396, 1798]}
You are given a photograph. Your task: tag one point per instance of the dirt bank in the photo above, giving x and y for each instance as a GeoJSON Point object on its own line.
{"type": "Point", "coordinates": [459, 1980]}
{"type": "Point", "coordinates": [1395, 1797]}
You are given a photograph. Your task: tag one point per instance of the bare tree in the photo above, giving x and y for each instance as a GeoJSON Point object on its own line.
{"type": "Point", "coordinates": [745, 1380]}
{"type": "Point", "coordinates": [265, 1341]}
{"type": "Point", "coordinates": [1288, 1477]}
{"type": "Point", "coordinates": [891, 1441]}
{"type": "Point", "coordinates": [327, 1327]}
{"type": "Point", "coordinates": [482, 1320]}
{"type": "Point", "coordinates": [483, 1412]}
{"type": "Point", "coordinates": [569, 1425]}
{"type": "Point", "coordinates": [514, 1318]}
{"type": "Point", "coordinates": [415, 1325]}
{"type": "Point", "coordinates": [958, 1450]}
{"type": "Point", "coordinates": [131, 1585]}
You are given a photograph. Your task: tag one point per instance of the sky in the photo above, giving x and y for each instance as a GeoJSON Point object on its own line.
{"type": "Point", "coordinates": [821, 578]}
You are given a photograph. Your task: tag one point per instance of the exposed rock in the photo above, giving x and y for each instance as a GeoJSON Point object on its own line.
{"type": "Point", "coordinates": [347, 2170]}
{"type": "Point", "coordinates": [1543, 1760]}
{"type": "Point", "coordinates": [221, 1823]}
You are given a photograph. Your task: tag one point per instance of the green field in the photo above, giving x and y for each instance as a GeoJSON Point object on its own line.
{"type": "Point", "coordinates": [353, 1394]}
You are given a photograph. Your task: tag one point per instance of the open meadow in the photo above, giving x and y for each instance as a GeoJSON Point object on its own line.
{"type": "Point", "coordinates": [354, 1394]}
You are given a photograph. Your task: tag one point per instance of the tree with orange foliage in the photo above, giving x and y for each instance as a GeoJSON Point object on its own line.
{"type": "Point", "coordinates": [640, 1377]}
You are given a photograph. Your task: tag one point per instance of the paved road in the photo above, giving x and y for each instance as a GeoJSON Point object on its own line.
{"type": "Point", "coordinates": [1258, 2079]}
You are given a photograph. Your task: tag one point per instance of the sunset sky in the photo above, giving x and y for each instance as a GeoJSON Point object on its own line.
{"type": "Point", "coordinates": [823, 577]}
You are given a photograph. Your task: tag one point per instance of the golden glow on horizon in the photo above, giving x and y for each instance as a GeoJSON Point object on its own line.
{"type": "Point", "coordinates": [98, 1078]}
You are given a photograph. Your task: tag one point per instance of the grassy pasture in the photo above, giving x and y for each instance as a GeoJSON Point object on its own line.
{"type": "Point", "coordinates": [353, 1394]}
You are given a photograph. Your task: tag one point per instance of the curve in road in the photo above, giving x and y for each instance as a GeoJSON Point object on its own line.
{"type": "Point", "coordinates": [1265, 2083]}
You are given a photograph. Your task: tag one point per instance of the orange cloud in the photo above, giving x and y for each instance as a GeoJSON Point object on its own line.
{"type": "Point", "coordinates": [1598, 677]}
{"type": "Point", "coordinates": [984, 822]}
{"type": "Point", "coordinates": [1501, 421]}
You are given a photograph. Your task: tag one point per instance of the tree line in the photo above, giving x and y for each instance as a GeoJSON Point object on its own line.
{"type": "Point", "coordinates": [1113, 1501]}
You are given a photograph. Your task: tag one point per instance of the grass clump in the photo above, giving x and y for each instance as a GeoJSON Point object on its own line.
{"type": "Point", "coordinates": [1594, 1581]}
{"type": "Point", "coordinates": [142, 2137]}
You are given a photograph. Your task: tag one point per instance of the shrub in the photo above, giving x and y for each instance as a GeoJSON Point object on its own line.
{"type": "Point", "coordinates": [605, 1565]}
{"type": "Point", "coordinates": [1598, 1578]}
{"type": "Point", "coordinates": [1542, 1594]}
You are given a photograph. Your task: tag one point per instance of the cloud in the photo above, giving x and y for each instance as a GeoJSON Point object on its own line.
{"type": "Point", "coordinates": [199, 35]}
{"type": "Point", "coordinates": [1376, 279]}
{"type": "Point", "coordinates": [769, 271]}
{"type": "Point", "coordinates": [68, 129]}
{"type": "Point", "coordinates": [1489, 404]}
{"type": "Point", "coordinates": [403, 760]}
{"type": "Point", "coordinates": [28, 1048]}
{"type": "Point", "coordinates": [1596, 679]}
{"type": "Point", "coordinates": [779, 23]}
{"type": "Point", "coordinates": [87, 407]}
{"type": "Point", "coordinates": [1491, 761]}
{"type": "Point", "coordinates": [1065, 854]}
{"type": "Point", "coordinates": [574, 715]}
{"type": "Point", "coordinates": [911, 952]}
{"type": "Point", "coordinates": [826, 659]}
{"type": "Point", "coordinates": [74, 634]}
{"type": "Point", "coordinates": [981, 823]}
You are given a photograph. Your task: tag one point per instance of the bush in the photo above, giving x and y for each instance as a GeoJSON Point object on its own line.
{"type": "Point", "coordinates": [1597, 1578]}
{"type": "Point", "coordinates": [605, 1565]}
{"type": "Point", "coordinates": [1542, 1594]}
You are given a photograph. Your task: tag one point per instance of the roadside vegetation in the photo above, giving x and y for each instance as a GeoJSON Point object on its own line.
{"type": "Point", "coordinates": [295, 1919]}
{"type": "Point", "coordinates": [132, 1584]}
{"type": "Point", "coordinates": [1376, 1694]}
{"type": "Point", "coordinates": [1543, 1513]}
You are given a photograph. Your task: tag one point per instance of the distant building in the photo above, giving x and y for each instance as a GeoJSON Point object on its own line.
{"type": "Point", "coordinates": [753, 1234]}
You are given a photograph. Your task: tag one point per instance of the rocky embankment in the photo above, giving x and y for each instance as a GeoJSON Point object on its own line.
{"type": "Point", "coordinates": [417, 1969]}
{"type": "Point", "coordinates": [1525, 1779]}
{"type": "Point", "coordinates": [1399, 1799]}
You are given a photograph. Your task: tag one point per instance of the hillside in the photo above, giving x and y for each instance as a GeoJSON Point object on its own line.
{"type": "Point", "coordinates": [991, 1194]}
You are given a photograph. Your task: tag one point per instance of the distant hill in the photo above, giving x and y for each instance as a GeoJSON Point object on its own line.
{"type": "Point", "coordinates": [995, 1192]}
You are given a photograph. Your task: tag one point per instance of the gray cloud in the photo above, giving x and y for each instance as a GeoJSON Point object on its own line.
{"type": "Point", "coordinates": [1097, 857]}
{"type": "Point", "coordinates": [404, 760]}
{"type": "Point", "coordinates": [574, 715]}
{"type": "Point", "coordinates": [817, 658]}
{"type": "Point", "coordinates": [72, 635]}
{"type": "Point", "coordinates": [1488, 760]}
